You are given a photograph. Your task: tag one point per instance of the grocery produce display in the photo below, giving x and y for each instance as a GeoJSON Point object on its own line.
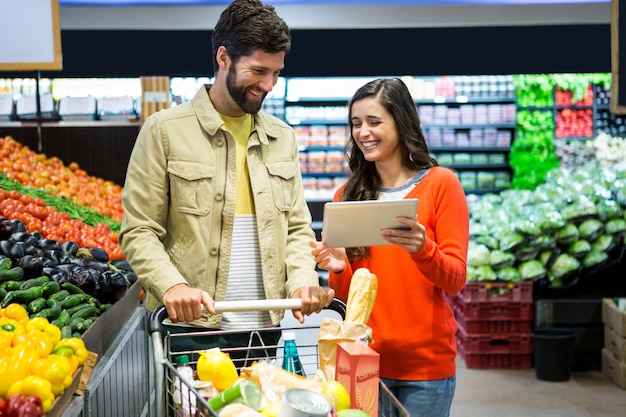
{"type": "Point", "coordinates": [66, 284]}
{"type": "Point", "coordinates": [60, 203]}
{"type": "Point", "coordinates": [573, 221]}
{"type": "Point", "coordinates": [37, 363]}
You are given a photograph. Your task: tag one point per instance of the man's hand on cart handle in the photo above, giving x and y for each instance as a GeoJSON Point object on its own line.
{"type": "Point", "coordinates": [314, 300]}
{"type": "Point", "coordinates": [184, 303]}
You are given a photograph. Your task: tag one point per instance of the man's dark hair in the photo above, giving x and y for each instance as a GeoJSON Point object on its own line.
{"type": "Point", "coordinates": [247, 25]}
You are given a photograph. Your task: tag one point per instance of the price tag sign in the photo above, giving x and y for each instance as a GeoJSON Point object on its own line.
{"type": "Point", "coordinates": [6, 104]}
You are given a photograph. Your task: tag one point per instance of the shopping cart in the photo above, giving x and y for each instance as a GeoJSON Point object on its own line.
{"type": "Point", "coordinates": [168, 379]}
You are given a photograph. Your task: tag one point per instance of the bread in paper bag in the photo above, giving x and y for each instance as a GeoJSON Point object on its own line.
{"type": "Point", "coordinates": [361, 296]}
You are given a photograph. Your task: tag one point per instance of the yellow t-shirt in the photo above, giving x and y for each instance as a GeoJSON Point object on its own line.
{"type": "Point", "coordinates": [241, 127]}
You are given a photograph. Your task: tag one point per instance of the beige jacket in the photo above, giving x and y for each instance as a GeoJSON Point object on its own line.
{"type": "Point", "coordinates": [179, 204]}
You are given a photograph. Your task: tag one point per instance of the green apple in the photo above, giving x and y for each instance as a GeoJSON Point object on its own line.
{"type": "Point", "coordinates": [352, 412]}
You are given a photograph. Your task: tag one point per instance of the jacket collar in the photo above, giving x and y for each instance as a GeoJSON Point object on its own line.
{"type": "Point", "coordinates": [210, 119]}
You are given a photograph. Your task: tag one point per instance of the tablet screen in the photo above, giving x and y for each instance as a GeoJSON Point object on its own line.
{"type": "Point", "coordinates": [358, 223]}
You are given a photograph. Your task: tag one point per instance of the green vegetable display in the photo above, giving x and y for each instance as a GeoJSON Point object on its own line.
{"type": "Point", "coordinates": [554, 231]}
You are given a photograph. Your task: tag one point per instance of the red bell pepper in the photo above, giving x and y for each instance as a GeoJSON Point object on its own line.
{"type": "Point", "coordinates": [19, 405]}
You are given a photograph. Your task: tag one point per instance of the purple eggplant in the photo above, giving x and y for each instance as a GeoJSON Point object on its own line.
{"type": "Point", "coordinates": [6, 228]}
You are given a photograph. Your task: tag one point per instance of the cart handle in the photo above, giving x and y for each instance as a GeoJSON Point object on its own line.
{"type": "Point", "coordinates": [160, 313]}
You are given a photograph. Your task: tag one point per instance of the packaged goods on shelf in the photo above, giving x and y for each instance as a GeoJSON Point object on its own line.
{"type": "Point", "coordinates": [485, 180]}
{"type": "Point", "coordinates": [338, 135]}
{"type": "Point", "coordinates": [318, 135]}
{"type": "Point", "coordinates": [116, 108]}
{"type": "Point", "coordinates": [496, 158]}
{"type": "Point", "coordinates": [26, 107]}
{"type": "Point", "coordinates": [6, 107]}
{"type": "Point", "coordinates": [462, 158]}
{"type": "Point", "coordinates": [462, 139]}
{"type": "Point", "coordinates": [77, 108]}
{"type": "Point", "coordinates": [480, 158]}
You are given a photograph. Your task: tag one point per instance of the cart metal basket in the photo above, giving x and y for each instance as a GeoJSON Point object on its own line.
{"type": "Point", "coordinates": [168, 380]}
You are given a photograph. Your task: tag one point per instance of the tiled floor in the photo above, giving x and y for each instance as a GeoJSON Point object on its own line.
{"type": "Point", "coordinates": [518, 393]}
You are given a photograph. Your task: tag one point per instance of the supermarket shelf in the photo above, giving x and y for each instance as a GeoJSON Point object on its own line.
{"type": "Point", "coordinates": [472, 126]}
{"type": "Point", "coordinates": [469, 149]}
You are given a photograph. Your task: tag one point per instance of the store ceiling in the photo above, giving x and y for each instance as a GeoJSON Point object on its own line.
{"type": "Point", "coordinates": [117, 3]}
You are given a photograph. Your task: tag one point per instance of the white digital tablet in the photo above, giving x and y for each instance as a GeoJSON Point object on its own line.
{"type": "Point", "coordinates": [351, 224]}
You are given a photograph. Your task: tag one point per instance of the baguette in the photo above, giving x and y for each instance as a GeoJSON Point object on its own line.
{"type": "Point", "coordinates": [361, 296]}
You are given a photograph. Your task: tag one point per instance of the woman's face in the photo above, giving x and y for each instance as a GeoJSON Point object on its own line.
{"type": "Point", "coordinates": [374, 131]}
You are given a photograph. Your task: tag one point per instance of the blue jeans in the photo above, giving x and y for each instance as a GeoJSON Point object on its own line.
{"type": "Point", "coordinates": [424, 398]}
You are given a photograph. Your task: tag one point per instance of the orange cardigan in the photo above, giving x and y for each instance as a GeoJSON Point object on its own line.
{"type": "Point", "coordinates": [413, 326]}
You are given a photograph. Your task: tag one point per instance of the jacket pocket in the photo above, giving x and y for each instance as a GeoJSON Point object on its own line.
{"type": "Point", "coordinates": [191, 186]}
{"type": "Point", "coordinates": [282, 175]}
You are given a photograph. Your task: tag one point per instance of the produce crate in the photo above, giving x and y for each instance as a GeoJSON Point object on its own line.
{"type": "Point", "coordinates": [614, 369]}
{"type": "Point", "coordinates": [615, 344]}
{"type": "Point", "coordinates": [613, 317]}
{"type": "Point", "coordinates": [497, 291]}
{"type": "Point", "coordinates": [493, 310]}
{"type": "Point", "coordinates": [492, 344]}
{"type": "Point", "coordinates": [493, 327]}
{"type": "Point", "coordinates": [495, 360]}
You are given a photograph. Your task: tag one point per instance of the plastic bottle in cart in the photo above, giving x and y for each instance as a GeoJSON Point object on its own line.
{"type": "Point", "coordinates": [183, 397]}
{"type": "Point", "coordinates": [291, 359]}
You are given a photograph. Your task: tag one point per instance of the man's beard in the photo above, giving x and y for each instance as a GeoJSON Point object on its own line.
{"type": "Point", "coordinates": [239, 94]}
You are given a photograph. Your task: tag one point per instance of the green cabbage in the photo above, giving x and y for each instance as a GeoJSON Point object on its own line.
{"type": "Point", "coordinates": [603, 243]}
{"type": "Point", "coordinates": [615, 226]}
{"type": "Point", "coordinates": [531, 269]}
{"type": "Point", "coordinates": [567, 234]}
{"type": "Point", "coordinates": [579, 249]}
{"type": "Point", "coordinates": [590, 229]}
{"type": "Point", "coordinates": [563, 265]}
{"type": "Point", "coordinates": [500, 259]}
{"type": "Point", "coordinates": [509, 273]}
{"type": "Point", "coordinates": [478, 255]}
{"type": "Point", "coordinates": [595, 257]}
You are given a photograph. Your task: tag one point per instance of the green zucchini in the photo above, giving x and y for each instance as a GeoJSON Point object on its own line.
{"type": "Point", "coordinates": [59, 295]}
{"type": "Point", "coordinates": [13, 274]}
{"type": "Point", "coordinates": [87, 311]}
{"type": "Point", "coordinates": [34, 282]}
{"type": "Point", "coordinates": [53, 310]}
{"type": "Point", "coordinates": [71, 301]}
{"type": "Point", "coordinates": [36, 305]}
{"type": "Point", "coordinates": [73, 289]}
{"type": "Point", "coordinates": [6, 264]}
{"type": "Point", "coordinates": [62, 320]}
{"type": "Point", "coordinates": [66, 332]}
{"type": "Point", "coordinates": [22, 296]}
{"type": "Point", "coordinates": [51, 287]}
{"type": "Point", "coordinates": [11, 285]}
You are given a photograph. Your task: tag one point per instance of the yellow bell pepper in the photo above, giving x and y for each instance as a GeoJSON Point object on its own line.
{"type": "Point", "coordinates": [42, 324]}
{"type": "Point", "coordinates": [36, 339]}
{"type": "Point", "coordinates": [16, 312]}
{"type": "Point", "coordinates": [35, 386]}
{"type": "Point", "coordinates": [11, 327]}
{"type": "Point", "coordinates": [6, 339]}
{"type": "Point", "coordinates": [15, 365]}
{"type": "Point", "coordinates": [67, 353]}
{"type": "Point", "coordinates": [76, 345]}
{"type": "Point", "coordinates": [56, 369]}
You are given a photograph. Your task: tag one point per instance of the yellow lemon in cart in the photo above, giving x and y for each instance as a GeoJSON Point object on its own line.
{"type": "Point", "coordinates": [271, 410]}
{"type": "Point", "coordinates": [339, 392]}
{"type": "Point", "coordinates": [217, 367]}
